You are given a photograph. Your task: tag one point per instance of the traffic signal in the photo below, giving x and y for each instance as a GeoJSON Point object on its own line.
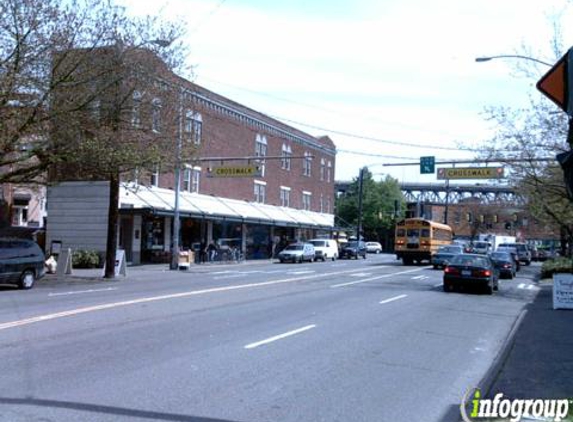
{"type": "Point", "coordinates": [565, 159]}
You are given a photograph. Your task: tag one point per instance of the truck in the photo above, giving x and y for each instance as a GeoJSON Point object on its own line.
{"type": "Point", "coordinates": [495, 240]}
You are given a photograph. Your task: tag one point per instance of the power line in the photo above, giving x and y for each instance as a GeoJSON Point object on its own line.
{"type": "Point", "coordinates": [207, 17]}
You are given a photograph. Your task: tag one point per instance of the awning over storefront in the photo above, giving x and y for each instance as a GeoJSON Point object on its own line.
{"type": "Point", "coordinates": [162, 201]}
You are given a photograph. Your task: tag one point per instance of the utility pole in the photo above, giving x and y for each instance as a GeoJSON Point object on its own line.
{"type": "Point", "coordinates": [360, 192]}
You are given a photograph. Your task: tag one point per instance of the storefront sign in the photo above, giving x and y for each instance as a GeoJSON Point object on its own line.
{"type": "Point", "coordinates": [563, 291]}
{"type": "Point", "coordinates": [235, 171]}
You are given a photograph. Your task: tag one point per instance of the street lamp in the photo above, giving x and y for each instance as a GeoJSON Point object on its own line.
{"type": "Point", "coordinates": [512, 56]}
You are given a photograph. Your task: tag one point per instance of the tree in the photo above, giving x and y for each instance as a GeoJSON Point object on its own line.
{"type": "Point", "coordinates": [67, 81]}
{"type": "Point", "coordinates": [529, 134]}
{"type": "Point", "coordinates": [378, 205]}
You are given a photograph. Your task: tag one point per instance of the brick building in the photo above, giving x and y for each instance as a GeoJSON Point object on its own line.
{"type": "Point", "coordinates": [290, 197]}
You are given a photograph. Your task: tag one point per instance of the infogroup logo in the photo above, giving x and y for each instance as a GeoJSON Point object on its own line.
{"type": "Point", "coordinates": [475, 408]}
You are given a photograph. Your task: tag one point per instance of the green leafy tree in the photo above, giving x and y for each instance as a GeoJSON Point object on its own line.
{"type": "Point", "coordinates": [528, 135]}
{"type": "Point", "coordinates": [379, 200]}
{"type": "Point", "coordinates": [68, 72]}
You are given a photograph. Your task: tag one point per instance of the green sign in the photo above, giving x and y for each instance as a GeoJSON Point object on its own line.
{"type": "Point", "coordinates": [427, 165]}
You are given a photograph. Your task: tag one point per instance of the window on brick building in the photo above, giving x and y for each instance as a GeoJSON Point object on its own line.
{"type": "Point", "coordinates": [156, 115]}
{"type": "Point", "coordinates": [261, 151]}
{"type": "Point", "coordinates": [307, 164]}
{"type": "Point", "coordinates": [328, 209]}
{"type": "Point", "coordinates": [136, 110]}
{"type": "Point", "coordinates": [260, 191]}
{"type": "Point", "coordinates": [285, 196]}
{"type": "Point", "coordinates": [191, 179]}
{"type": "Point", "coordinates": [306, 200]}
{"type": "Point", "coordinates": [322, 169]}
{"type": "Point", "coordinates": [155, 176]}
{"type": "Point", "coordinates": [286, 154]}
{"type": "Point", "coordinates": [193, 127]}
{"type": "Point", "coordinates": [329, 172]}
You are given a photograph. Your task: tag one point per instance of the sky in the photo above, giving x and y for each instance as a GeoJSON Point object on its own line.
{"type": "Point", "coordinates": [389, 81]}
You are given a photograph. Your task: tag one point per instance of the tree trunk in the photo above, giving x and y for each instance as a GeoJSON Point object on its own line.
{"type": "Point", "coordinates": [113, 215]}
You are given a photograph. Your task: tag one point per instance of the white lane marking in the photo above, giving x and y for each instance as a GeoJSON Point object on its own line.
{"type": "Point", "coordinates": [223, 277]}
{"type": "Point", "coordinates": [78, 311]}
{"type": "Point", "coordinates": [419, 277]}
{"type": "Point", "coordinates": [82, 291]}
{"type": "Point", "coordinates": [392, 299]}
{"type": "Point", "coordinates": [439, 284]}
{"type": "Point", "coordinates": [300, 272]}
{"type": "Point", "coordinates": [221, 272]}
{"type": "Point", "coordinates": [521, 286]}
{"type": "Point", "coordinates": [334, 286]}
{"type": "Point", "coordinates": [360, 274]}
{"type": "Point", "coordinates": [280, 336]}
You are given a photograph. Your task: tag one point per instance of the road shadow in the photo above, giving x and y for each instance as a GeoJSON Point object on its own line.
{"type": "Point", "coordinates": [105, 410]}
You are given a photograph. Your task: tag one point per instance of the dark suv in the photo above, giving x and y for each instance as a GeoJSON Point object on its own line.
{"type": "Point", "coordinates": [353, 249]}
{"type": "Point", "coordinates": [21, 262]}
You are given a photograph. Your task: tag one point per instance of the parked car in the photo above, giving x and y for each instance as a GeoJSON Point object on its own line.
{"type": "Point", "coordinates": [504, 263]}
{"type": "Point", "coordinates": [445, 254]}
{"type": "Point", "coordinates": [523, 253]}
{"type": "Point", "coordinates": [373, 247]}
{"type": "Point", "coordinates": [297, 252]}
{"type": "Point", "coordinates": [325, 249]}
{"type": "Point", "coordinates": [21, 262]}
{"type": "Point", "coordinates": [471, 270]}
{"type": "Point", "coordinates": [354, 249]}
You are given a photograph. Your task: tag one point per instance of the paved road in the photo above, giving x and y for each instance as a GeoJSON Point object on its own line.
{"type": "Point", "coordinates": [366, 340]}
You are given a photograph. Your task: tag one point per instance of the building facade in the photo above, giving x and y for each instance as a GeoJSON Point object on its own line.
{"type": "Point", "coordinates": [287, 195]}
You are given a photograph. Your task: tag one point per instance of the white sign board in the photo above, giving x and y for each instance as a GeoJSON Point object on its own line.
{"type": "Point", "coordinates": [120, 265]}
{"type": "Point", "coordinates": [563, 291]}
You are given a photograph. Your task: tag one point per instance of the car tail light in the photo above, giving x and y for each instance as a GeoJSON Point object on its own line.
{"type": "Point", "coordinates": [451, 270]}
{"type": "Point", "coordinates": [483, 273]}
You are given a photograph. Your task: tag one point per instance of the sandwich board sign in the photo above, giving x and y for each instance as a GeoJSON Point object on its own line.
{"type": "Point", "coordinates": [563, 291]}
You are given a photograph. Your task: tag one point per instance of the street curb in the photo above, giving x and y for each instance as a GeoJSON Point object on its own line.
{"type": "Point", "coordinates": [492, 374]}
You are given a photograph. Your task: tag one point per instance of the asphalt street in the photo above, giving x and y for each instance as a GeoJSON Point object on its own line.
{"type": "Point", "coordinates": [358, 340]}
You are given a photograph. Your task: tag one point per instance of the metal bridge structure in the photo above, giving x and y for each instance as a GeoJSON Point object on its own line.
{"type": "Point", "coordinates": [441, 194]}
{"type": "Point", "coordinates": [448, 193]}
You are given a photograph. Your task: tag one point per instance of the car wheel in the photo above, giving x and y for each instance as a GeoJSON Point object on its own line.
{"type": "Point", "coordinates": [27, 280]}
{"type": "Point", "coordinates": [448, 287]}
{"type": "Point", "coordinates": [488, 289]}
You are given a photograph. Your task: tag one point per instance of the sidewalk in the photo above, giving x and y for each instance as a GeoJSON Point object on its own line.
{"type": "Point", "coordinates": [83, 276]}
{"type": "Point", "coordinates": [538, 361]}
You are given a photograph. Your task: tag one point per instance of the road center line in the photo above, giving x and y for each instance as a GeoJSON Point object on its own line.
{"type": "Point", "coordinates": [279, 337]}
{"type": "Point", "coordinates": [82, 291]}
{"type": "Point", "coordinates": [79, 311]}
{"type": "Point", "coordinates": [365, 280]}
{"type": "Point", "coordinates": [392, 299]}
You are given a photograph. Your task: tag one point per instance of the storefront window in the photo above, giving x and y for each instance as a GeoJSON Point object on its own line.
{"type": "Point", "coordinates": [259, 244]}
{"type": "Point", "coordinates": [155, 234]}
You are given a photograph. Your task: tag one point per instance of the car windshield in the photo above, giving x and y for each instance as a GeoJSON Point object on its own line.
{"type": "Point", "coordinates": [470, 261]}
{"type": "Point", "coordinates": [294, 248]}
{"type": "Point", "coordinates": [501, 255]}
{"type": "Point", "coordinates": [318, 243]}
{"type": "Point", "coordinates": [352, 244]}
{"type": "Point", "coordinates": [450, 249]}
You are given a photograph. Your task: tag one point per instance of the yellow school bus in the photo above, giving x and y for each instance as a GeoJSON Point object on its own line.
{"type": "Point", "coordinates": [417, 239]}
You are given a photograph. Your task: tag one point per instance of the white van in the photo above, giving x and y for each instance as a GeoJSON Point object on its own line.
{"type": "Point", "coordinates": [325, 249]}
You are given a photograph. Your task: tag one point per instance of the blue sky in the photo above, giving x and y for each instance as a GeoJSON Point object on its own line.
{"type": "Point", "coordinates": [401, 71]}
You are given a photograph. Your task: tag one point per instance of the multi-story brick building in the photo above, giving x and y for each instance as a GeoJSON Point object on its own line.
{"type": "Point", "coordinates": [290, 197]}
